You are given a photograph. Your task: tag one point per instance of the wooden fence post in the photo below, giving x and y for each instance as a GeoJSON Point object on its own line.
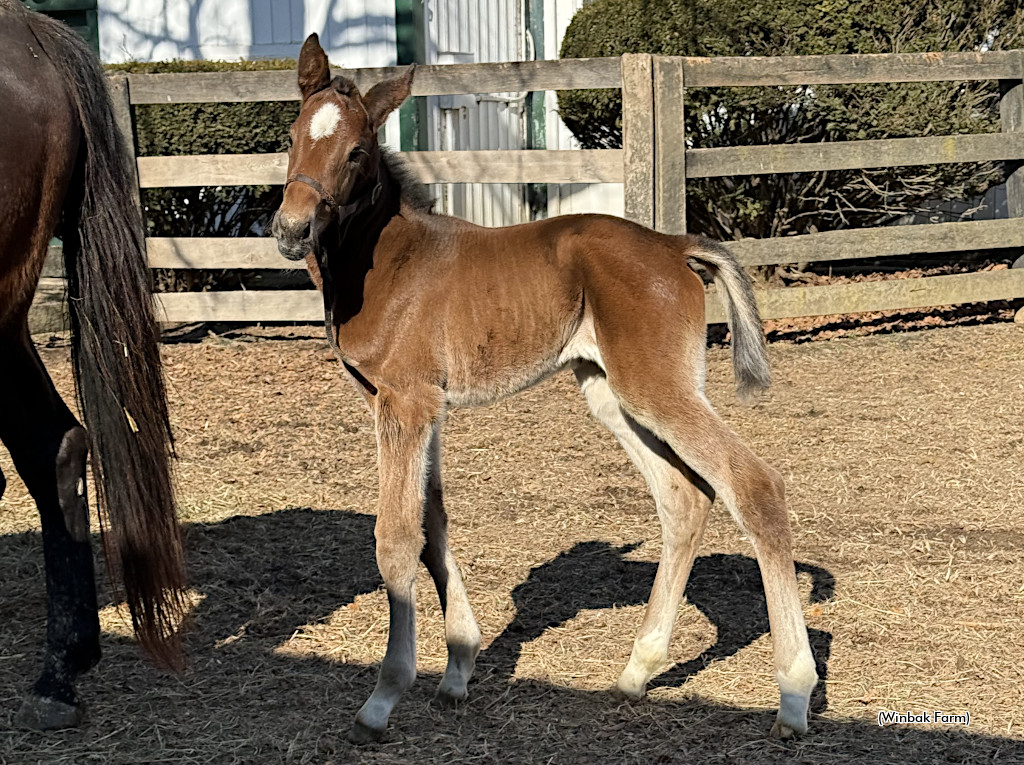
{"type": "Point", "coordinates": [121, 100]}
{"type": "Point", "coordinates": [638, 137]}
{"type": "Point", "coordinates": [1011, 119]}
{"type": "Point", "coordinates": [669, 146]}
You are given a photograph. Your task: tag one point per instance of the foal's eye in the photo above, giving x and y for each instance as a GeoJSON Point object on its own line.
{"type": "Point", "coordinates": [356, 154]}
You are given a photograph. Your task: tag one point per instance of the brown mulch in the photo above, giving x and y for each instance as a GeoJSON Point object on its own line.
{"type": "Point", "coordinates": [902, 455]}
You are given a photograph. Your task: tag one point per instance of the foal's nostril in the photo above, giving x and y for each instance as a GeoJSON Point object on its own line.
{"type": "Point", "coordinates": [292, 229]}
{"type": "Point", "coordinates": [293, 235]}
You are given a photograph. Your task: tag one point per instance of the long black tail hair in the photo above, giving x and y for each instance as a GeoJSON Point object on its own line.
{"type": "Point", "coordinates": [116, 355]}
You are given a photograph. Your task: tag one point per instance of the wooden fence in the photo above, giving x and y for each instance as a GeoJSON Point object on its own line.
{"type": "Point", "coordinates": [653, 165]}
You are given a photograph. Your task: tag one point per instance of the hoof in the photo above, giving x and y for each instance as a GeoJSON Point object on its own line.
{"type": "Point", "coordinates": [449, 698]}
{"type": "Point", "coordinates": [627, 694]}
{"type": "Point", "coordinates": [785, 732]}
{"type": "Point", "coordinates": [363, 734]}
{"type": "Point", "coordinates": [41, 713]}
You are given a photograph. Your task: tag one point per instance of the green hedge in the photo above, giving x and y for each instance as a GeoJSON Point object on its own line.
{"type": "Point", "coordinates": [799, 203]}
{"type": "Point", "coordinates": [237, 128]}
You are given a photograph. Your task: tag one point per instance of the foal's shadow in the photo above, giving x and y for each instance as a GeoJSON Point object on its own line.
{"type": "Point", "coordinates": [727, 589]}
{"type": "Point", "coordinates": [266, 576]}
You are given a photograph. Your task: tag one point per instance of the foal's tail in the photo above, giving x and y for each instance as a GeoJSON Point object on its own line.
{"type": "Point", "coordinates": [749, 354]}
{"type": "Point", "coordinates": [116, 355]}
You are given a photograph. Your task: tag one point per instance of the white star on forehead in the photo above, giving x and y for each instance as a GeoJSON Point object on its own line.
{"type": "Point", "coordinates": [325, 121]}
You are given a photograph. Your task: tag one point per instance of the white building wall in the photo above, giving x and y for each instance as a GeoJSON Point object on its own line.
{"type": "Point", "coordinates": [478, 31]}
{"type": "Point", "coordinates": [354, 33]}
{"type": "Point", "coordinates": [576, 197]}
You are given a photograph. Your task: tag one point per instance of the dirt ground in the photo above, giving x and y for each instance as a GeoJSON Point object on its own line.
{"type": "Point", "coordinates": [903, 457]}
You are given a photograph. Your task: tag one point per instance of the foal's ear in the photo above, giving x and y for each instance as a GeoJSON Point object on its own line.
{"type": "Point", "coordinates": [387, 95]}
{"type": "Point", "coordinates": [314, 71]}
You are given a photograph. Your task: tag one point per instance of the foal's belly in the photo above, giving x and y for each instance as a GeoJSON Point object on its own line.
{"type": "Point", "coordinates": [504, 335]}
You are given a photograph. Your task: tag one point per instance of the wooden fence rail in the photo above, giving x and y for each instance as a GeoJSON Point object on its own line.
{"type": "Point", "coordinates": [546, 166]}
{"type": "Point", "coordinates": [653, 165]}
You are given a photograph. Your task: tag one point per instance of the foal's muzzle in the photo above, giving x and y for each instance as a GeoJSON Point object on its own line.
{"type": "Point", "coordinates": [294, 236]}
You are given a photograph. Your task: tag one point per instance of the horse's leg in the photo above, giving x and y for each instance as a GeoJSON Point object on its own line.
{"type": "Point", "coordinates": [461, 631]}
{"type": "Point", "coordinates": [48, 447]}
{"type": "Point", "coordinates": [682, 501]}
{"type": "Point", "coordinates": [405, 425]}
{"type": "Point", "coordinates": [752, 491]}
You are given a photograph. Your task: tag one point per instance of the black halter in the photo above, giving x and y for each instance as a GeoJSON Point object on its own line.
{"type": "Point", "coordinates": [344, 211]}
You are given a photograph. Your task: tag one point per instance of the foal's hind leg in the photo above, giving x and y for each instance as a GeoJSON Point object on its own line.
{"type": "Point", "coordinates": [49, 448]}
{"type": "Point", "coordinates": [754, 495]}
{"type": "Point", "coordinates": [461, 631]}
{"type": "Point", "coordinates": [682, 501]}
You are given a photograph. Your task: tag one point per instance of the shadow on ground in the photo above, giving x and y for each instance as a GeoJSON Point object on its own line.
{"type": "Point", "coordinates": [266, 576]}
{"type": "Point", "coordinates": [594, 575]}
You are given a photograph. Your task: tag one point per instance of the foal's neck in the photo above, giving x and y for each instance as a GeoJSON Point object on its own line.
{"type": "Point", "coordinates": [348, 251]}
{"type": "Point", "coordinates": [358, 234]}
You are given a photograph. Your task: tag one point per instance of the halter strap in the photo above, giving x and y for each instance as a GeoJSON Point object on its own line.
{"type": "Point", "coordinates": [314, 184]}
{"type": "Point", "coordinates": [344, 211]}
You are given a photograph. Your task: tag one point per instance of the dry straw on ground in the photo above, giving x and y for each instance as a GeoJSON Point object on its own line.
{"type": "Point", "coordinates": [902, 455]}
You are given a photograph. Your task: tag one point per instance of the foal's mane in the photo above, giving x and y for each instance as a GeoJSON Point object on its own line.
{"type": "Point", "coordinates": [413, 191]}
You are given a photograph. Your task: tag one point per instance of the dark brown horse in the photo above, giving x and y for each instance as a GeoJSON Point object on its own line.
{"type": "Point", "coordinates": [426, 312]}
{"type": "Point", "coordinates": [64, 170]}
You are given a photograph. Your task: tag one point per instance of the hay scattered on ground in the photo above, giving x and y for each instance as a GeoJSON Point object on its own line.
{"type": "Point", "coordinates": [902, 457]}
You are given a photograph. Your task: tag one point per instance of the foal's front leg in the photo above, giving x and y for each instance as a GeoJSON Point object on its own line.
{"type": "Point", "coordinates": [404, 427]}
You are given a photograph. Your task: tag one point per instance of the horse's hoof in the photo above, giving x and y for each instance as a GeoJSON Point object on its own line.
{"type": "Point", "coordinates": [448, 698]}
{"type": "Point", "coordinates": [627, 694]}
{"type": "Point", "coordinates": [42, 713]}
{"type": "Point", "coordinates": [784, 732]}
{"type": "Point", "coordinates": [363, 734]}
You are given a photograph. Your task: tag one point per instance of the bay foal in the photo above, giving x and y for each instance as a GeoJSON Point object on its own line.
{"type": "Point", "coordinates": [427, 311]}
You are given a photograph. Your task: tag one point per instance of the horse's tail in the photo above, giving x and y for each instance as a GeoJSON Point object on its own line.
{"type": "Point", "coordinates": [116, 356]}
{"type": "Point", "coordinates": [749, 354]}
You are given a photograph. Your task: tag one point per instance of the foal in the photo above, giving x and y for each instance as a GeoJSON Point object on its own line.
{"type": "Point", "coordinates": [427, 311]}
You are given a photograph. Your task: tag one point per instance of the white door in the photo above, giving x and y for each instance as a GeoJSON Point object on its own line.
{"type": "Point", "coordinates": [478, 31]}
